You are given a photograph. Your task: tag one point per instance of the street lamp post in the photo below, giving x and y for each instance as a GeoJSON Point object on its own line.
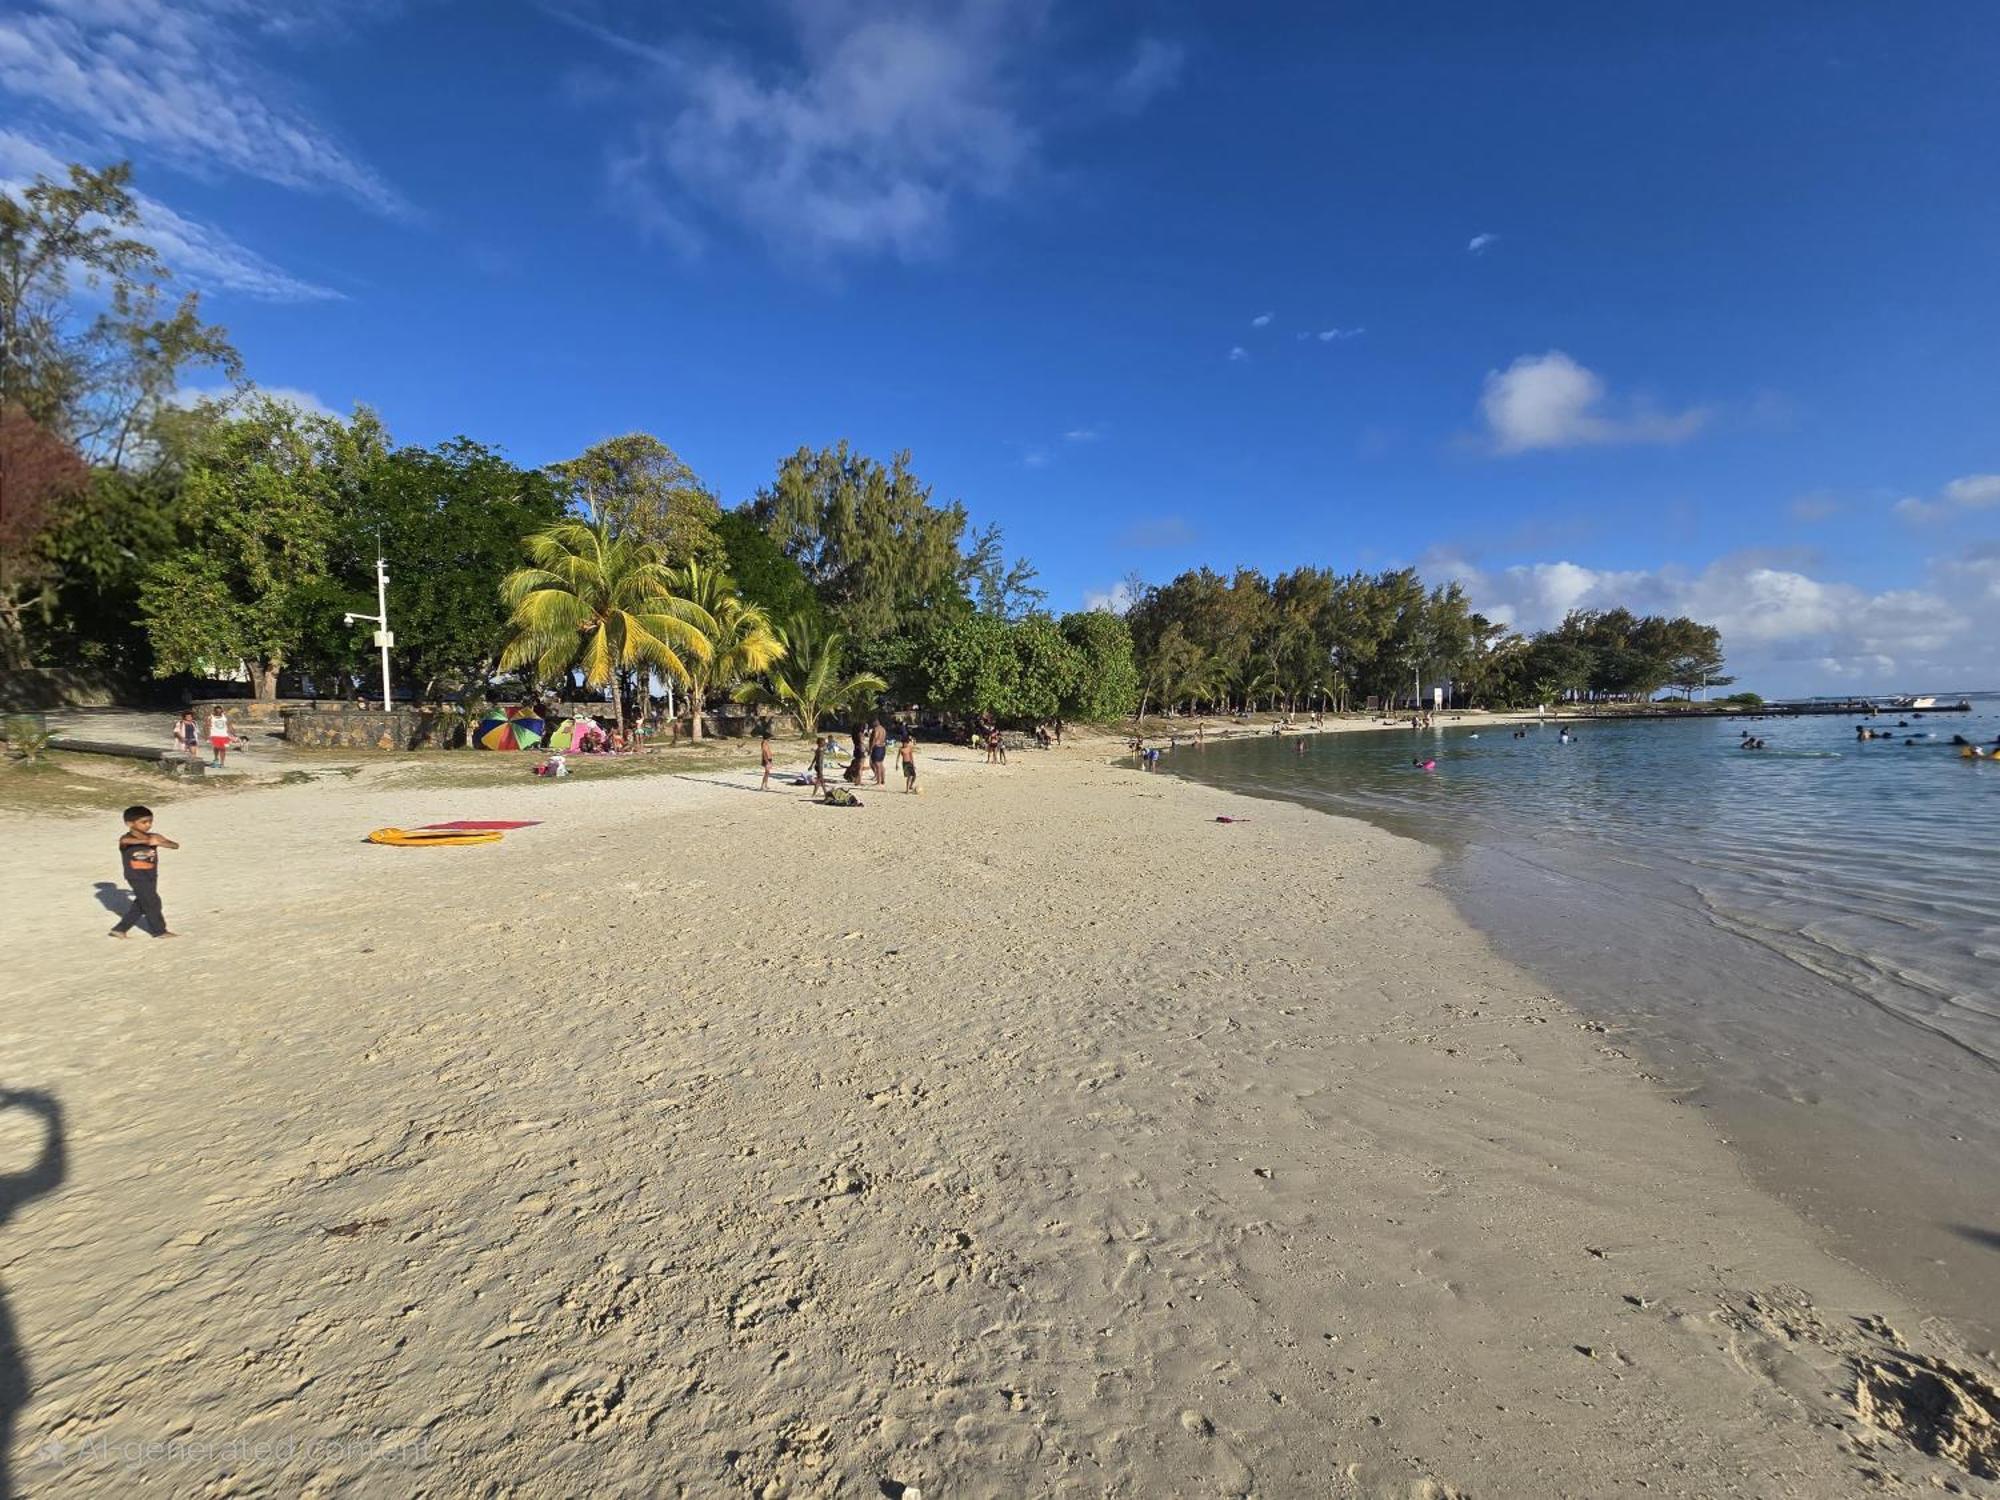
{"type": "Point", "coordinates": [384, 636]}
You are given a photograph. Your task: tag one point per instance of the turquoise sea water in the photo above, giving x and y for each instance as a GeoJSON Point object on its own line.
{"type": "Point", "coordinates": [1803, 939]}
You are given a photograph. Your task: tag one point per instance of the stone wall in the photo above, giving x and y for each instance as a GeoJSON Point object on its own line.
{"type": "Point", "coordinates": [368, 729]}
{"type": "Point", "coordinates": [246, 711]}
{"type": "Point", "coordinates": [51, 687]}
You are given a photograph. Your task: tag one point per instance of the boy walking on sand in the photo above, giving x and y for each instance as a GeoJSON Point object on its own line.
{"type": "Point", "coordinates": [764, 753]}
{"type": "Point", "coordinates": [139, 852]}
{"type": "Point", "coordinates": [908, 755]}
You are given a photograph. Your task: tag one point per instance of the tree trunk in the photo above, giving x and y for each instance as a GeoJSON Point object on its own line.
{"type": "Point", "coordinates": [264, 679]}
{"type": "Point", "coordinates": [697, 699]}
{"type": "Point", "coordinates": [617, 704]}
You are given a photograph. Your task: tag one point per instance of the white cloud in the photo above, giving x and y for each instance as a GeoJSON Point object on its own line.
{"type": "Point", "coordinates": [1239, 352]}
{"type": "Point", "coordinates": [1035, 458]}
{"type": "Point", "coordinates": [1551, 401]}
{"type": "Point", "coordinates": [1155, 67]}
{"type": "Point", "coordinates": [197, 253]}
{"type": "Point", "coordinates": [1973, 492]}
{"type": "Point", "coordinates": [1977, 572]}
{"type": "Point", "coordinates": [1262, 320]}
{"type": "Point", "coordinates": [1334, 335]}
{"type": "Point", "coordinates": [178, 77]}
{"type": "Point", "coordinates": [1784, 630]}
{"type": "Point", "coordinates": [1815, 508]}
{"type": "Point", "coordinates": [1479, 242]}
{"type": "Point", "coordinates": [1081, 435]}
{"type": "Point", "coordinates": [885, 116]}
{"type": "Point", "coordinates": [1117, 599]}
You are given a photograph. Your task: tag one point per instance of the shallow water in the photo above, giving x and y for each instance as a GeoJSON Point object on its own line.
{"type": "Point", "coordinates": [1804, 939]}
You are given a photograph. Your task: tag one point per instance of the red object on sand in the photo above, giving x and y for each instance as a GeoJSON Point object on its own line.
{"type": "Point", "coordinates": [1221, 819]}
{"type": "Point", "coordinates": [478, 823]}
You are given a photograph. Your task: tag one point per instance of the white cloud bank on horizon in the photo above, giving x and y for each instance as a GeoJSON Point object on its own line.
{"type": "Point", "coordinates": [1784, 631]}
{"type": "Point", "coordinates": [197, 253]}
{"type": "Point", "coordinates": [178, 77]}
{"type": "Point", "coordinates": [1550, 401]}
{"type": "Point", "coordinates": [888, 116]}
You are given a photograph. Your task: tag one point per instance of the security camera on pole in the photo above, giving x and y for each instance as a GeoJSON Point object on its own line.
{"type": "Point", "coordinates": [384, 636]}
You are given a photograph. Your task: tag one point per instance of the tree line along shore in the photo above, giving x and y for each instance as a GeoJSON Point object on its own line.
{"type": "Point", "coordinates": [150, 537]}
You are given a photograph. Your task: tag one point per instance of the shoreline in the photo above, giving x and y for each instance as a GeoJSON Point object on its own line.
{"type": "Point", "coordinates": [1876, 1159]}
{"type": "Point", "coordinates": [1035, 1135]}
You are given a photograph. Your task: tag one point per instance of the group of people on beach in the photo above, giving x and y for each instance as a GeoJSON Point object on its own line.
{"type": "Point", "coordinates": [871, 750]}
{"type": "Point", "coordinates": [188, 735]}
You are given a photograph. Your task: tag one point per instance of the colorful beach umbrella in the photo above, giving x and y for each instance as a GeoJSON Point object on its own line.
{"type": "Point", "coordinates": [509, 729]}
{"type": "Point", "coordinates": [495, 732]}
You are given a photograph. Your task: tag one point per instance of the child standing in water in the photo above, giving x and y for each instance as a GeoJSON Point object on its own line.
{"type": "Point", "coordinates": [139, 853]}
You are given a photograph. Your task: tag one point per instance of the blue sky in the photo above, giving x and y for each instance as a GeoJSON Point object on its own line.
{"type": "Point", "coordinates": [1688, 306]}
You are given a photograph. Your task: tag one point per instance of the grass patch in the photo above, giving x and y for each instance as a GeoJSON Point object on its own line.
{"type": "Point", "coordinates": [61, 785]}
{"type": "Point", "coordinates": [482, 769]}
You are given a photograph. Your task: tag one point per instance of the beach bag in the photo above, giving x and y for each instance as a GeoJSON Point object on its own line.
{"type": "Point", "coordinates": [840, 796]}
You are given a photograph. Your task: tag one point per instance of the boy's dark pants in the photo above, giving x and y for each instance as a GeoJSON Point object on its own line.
{"type": "Point", "coordinates": [145, 904]}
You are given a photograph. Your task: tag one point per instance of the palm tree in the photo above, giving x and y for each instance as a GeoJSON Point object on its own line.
{"type": "Point", "coordinates": [806, 680]}
{"type": "Point", "coordinates": [741, 644]}
{"type": "Point", "coordinates": [1202, 678]}
{"type": "Point", "coordinates": [602, 604]}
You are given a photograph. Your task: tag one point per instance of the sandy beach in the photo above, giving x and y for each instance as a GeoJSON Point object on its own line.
{"type": "Point", "coordinates": [1041, 1135]}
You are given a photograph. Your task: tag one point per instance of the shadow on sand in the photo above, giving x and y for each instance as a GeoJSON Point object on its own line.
{"type": "Point", "coordinates": [1990, 1238]}
{"type": "Point", "coordinates": [16, 1189]}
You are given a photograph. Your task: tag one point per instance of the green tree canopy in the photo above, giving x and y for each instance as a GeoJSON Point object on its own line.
{"type": "Point", "coordinates": [764, 575]}
{"type": "Point", "coordinates": [448, 522]}
{"type": "Point", "coordinates": [640, 488]}
{"type": "Point", "coordinates": [879, 553]}
{"type": "Point", "coordinates": [91, 348]}
{"type": "Point", "coordinates": [258, 511]}
{"type": "Point", "coordinates": [1107, 683]}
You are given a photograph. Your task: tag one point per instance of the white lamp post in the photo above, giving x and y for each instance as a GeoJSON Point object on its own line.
{"type": "Point", "coordinates": [384, 636]}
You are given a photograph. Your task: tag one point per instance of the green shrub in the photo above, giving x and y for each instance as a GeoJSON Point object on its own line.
{"type": "Point", "coordinates": [27, 736]}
